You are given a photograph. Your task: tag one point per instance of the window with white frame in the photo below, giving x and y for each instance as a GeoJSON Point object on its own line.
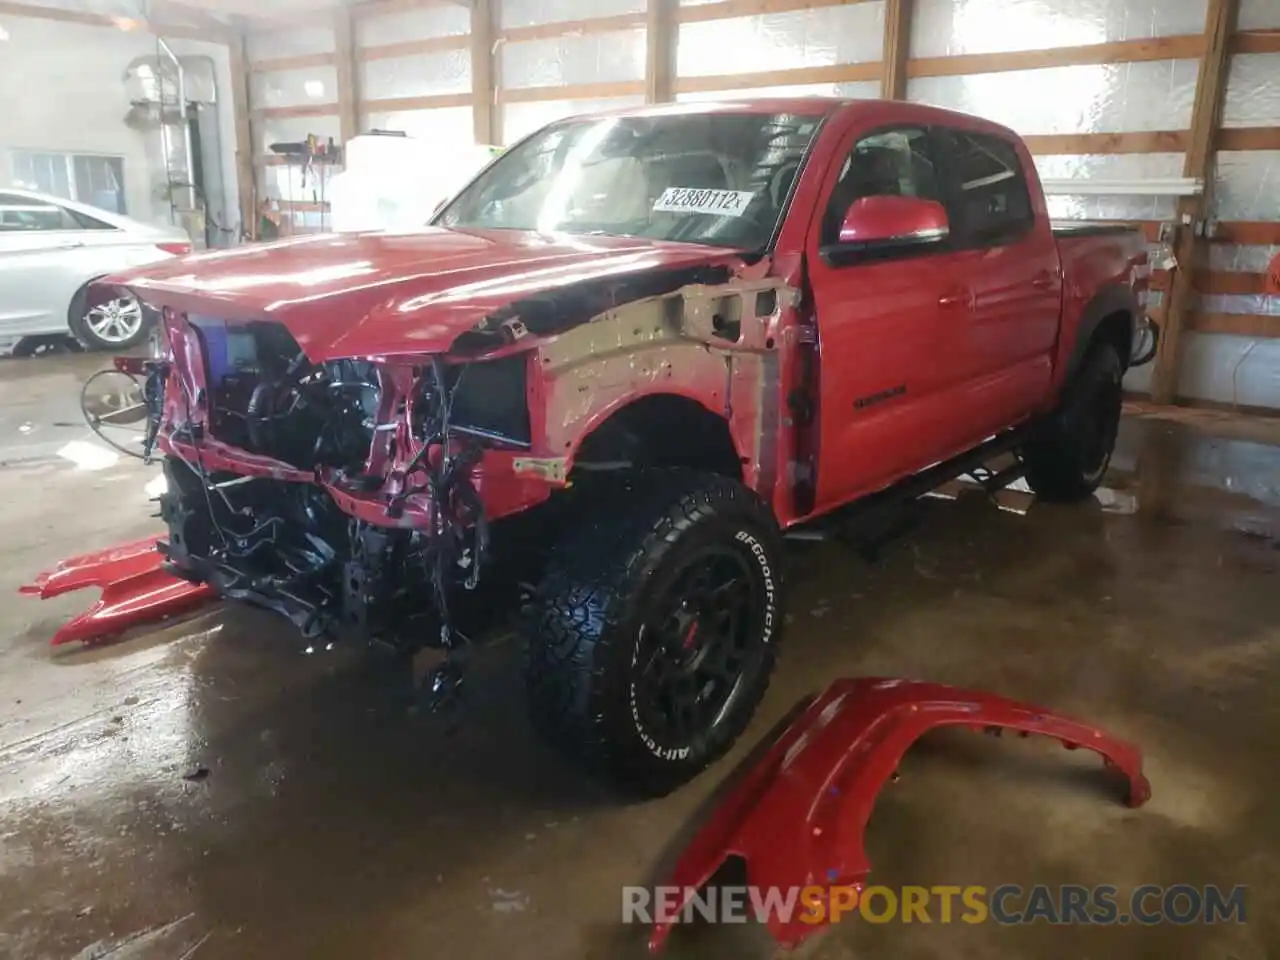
{"type": "Point", "coordinates": [89, 178]}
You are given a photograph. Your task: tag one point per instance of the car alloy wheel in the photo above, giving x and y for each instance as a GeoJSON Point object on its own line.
{"type": "Point", "coordinates": [115, 321]}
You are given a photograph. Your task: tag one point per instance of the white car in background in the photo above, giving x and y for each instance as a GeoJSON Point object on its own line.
{"type": "Point", "coordinates": [51, 249]}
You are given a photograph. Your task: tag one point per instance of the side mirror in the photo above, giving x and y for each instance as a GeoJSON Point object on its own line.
{"type": "Point", "coordinates": [875, 222]}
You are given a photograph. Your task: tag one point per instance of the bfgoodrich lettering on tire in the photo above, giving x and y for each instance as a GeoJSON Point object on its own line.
{"type": "Point", "coordinates": [652, 637]}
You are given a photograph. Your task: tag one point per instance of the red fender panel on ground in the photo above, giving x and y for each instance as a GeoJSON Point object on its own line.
{"type": "Point", "coordinates": [136, 589]}
{"type": "Point", "coordinates": [798, 815]}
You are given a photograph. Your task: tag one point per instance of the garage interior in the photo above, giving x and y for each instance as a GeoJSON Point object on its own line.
{"type": "Point", "coordinates": [216, 788]}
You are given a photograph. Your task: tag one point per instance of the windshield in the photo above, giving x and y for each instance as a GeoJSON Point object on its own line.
{"type": "Point", "coordinates": [712, 178]}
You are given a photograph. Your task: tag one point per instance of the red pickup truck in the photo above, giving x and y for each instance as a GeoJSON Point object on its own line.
{"type": "Point", "coordinates": [649, 341]}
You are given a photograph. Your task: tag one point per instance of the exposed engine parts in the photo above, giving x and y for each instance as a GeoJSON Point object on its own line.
{"type": "Point", "coordinates": [286, 544]}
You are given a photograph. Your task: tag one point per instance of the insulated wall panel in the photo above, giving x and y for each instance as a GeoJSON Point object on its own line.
{"type": "Point", "coordinates": [1110, 167]}
{"type": "Point", "coordinates": [450, 124]}
{"type": "Point", "coordinates": [421, 75]}
{"type": "Point", "coordinates": [519, 119]}
{"type": "Point", "coordinates": [868, 90]}
{"type": "Point", "coordinates": [1088, 98]}
{"type": "Point", "coordinates": [1248, 185]}
{"type": "Point", "coordinates": [952, 27]}
{"type": "Point", "coordinates": [1242, 259]}
{"type": "Point", "coordinates": [294, 88]}
{"type": "Point", "coordinates": [443, 21]}
{"type": "Point", "coordinates": [1240, 371]}
{"type": "Point", "coordinates": [1259, 15]}
{"type": "Point", "coordinates": [527, 13]}
{"type": "Point", "coordinates": [1253, 90]}
{"type": "Point", "coordinates": [781, 41]}
{"type": "Point", "coordinates": [585, 58]}
{"type": "Point", "coordinates": [293, 42]}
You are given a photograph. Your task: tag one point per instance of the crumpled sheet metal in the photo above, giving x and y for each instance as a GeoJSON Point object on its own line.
{"type": "Point", "coordinates": [1083, 98]}
{"type": "Point", "coordinates": [944, 28]}
{"type": "Point", "coordinates": [293, 88]}
{"type": "Point", "coordinates": [782, 41]}
{"type": "Point", "coordinates": [519, 119]}
{"type": "Point", "coordinates": [798, 814]}
{"type": "Point", "coordinates": [136, 589]}
{"type": "Point", "coordinates": [560, 61]}
{"type": "Point", "coordinates": [420, 75]}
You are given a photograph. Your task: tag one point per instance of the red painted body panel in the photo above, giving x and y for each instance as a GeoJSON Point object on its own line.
{"type": "Point", "coordinates": [135, 590]}
{"type": "Point", "coordinates": [798, 815]}
{"type": "Point", "coordinates": [381, 294]}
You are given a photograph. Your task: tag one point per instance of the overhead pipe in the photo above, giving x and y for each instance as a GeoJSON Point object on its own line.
{"type": "Point", "coordinates": [189, 185]}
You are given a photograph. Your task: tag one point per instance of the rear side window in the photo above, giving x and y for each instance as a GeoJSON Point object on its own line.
{"type": "Point", "coordinates": [19, 213]}
{"type": "Point", "coordinates": [990, 203]}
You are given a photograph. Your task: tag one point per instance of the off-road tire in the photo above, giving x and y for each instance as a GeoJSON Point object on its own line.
{"type": "Point", "coordinates": [1070, 456]}
{"type": "Point", "coordinates": [586, 625]}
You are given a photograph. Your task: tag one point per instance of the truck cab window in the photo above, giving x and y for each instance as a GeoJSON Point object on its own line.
{"type": "Point", "coordinates": [991, 204]}
{"type": "Point", "coordinates": [895, 163]}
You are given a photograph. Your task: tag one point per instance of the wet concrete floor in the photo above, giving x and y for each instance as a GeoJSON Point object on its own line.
{"type": "Point", "coordinates": [208, 790]}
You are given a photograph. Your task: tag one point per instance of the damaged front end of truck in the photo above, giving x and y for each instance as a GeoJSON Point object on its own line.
{"type": "Point", "coordinates": [357, 495]}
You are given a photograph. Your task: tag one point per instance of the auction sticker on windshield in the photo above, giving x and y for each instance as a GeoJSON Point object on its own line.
{"type": "Point", "coordinates": [724, 203]}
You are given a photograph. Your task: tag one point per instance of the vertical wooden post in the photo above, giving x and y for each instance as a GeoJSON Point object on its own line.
{"type": "Point", "coordinates": [246, 169]}
{"type": "Point", "coordinates": [484, 111]}
{"type": "Point", "coordinates": [348, 69]}
{"type": "Point", "coordinates": [1206, 115]}
{"type": "Point", "coordinates": [660, 50]}
{"type": "Point", "coordinates": [897, 47]}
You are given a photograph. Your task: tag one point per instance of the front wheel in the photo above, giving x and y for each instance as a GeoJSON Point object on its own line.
{"type": "Point", "coordinates": [652, 637]}
{"type": "Point", "coordinates": [115, 324]}
{"type": "Point", "coordinates": [1069, 458]}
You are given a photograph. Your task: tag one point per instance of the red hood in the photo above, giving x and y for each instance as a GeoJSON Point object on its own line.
{"type": "Point", "coordinates": [371, 294]}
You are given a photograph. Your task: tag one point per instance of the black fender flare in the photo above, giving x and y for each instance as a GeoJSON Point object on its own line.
{"type": "Point", "coordinates": [1112, 298]}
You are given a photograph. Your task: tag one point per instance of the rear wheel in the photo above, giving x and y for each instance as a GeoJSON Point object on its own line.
{"type": "Point", "coordinates": [1068, 460]}
{"type": "Point", "coordinates": [652, 637]}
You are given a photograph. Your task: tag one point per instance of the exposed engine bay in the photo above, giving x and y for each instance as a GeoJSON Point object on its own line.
{"type": "Point", "coordinates": [282, 541]}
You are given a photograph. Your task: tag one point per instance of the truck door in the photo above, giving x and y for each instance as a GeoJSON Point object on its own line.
{"type": "Point", "coordinates": [889, 322]}
{"type": "Point", "coordinates": [1006, 249]}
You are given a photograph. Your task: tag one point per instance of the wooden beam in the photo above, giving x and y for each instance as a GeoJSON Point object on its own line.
{"type": "Point", "coordinates": [728, 9]}
{"type": "Point", "coordinates": [1151, 141]}
{"type": "Point", "coordinates": [897, 47]}
{"type": "Point", "coordinates": [122, 23]}
{"type": "Point", "coordinates": [1233, 282]}
{"type": "Point", "coordinates": [414, 48]}
{"type": "Point", "coordinates": [660, 50]}
{"type": "Point", "coordinates": [1256, 41]}
{"type": "Point", "coordinates": [1249, 138]}
{"type": "Point", "coordinates": [301, 62]}
{"type": "Point", "coordinates": [1206, 114]}
{"type": "Point", "coordinates": [840, 73]}
{"type": "Point", "coordinates": [572, 28]}
{"type": "Point", "coordinates": [301, 110]}
{"type": "Point", "coordinates": [344, 45]}
{"type": "Point", "coordinates": [1237, 324]}
{"type": "Point", "coordinates": [246, 173]}
{"type": "Point", "coordinates": [430, 102]}
{"type": "Point", "coordinates": [485, 116]}
{"type": "Point", "coordinates": [1120, 51]}
{"type": "Point", "coordinates": [577, 91]}
{"type": "Point", "coordinates": [1253, 232]}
